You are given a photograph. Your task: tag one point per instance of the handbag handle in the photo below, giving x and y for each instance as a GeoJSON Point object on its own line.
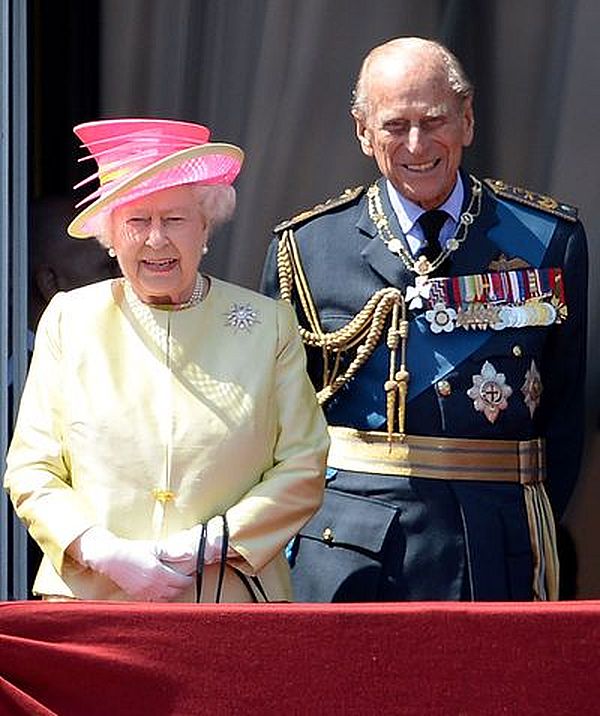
{"type": "Point", "coordinates": [247, 581]}
{"type": "Point", "coordinates": [224, 548]}
{"type": "Point", "coordinates": [200, 561]}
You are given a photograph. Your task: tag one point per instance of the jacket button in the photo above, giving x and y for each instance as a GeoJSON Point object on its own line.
{"type": "Point", "coordinates": [517, 351]}
{"type": "Point", "coordinates": [328, 535]}
{"type": "Point", "coordinates": [443, 388]}
{"type": "Point", "coordinates": [163, 496]}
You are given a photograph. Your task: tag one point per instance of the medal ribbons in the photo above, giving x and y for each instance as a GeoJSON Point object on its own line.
{"type": "Point", "coordinates": [497, 300]}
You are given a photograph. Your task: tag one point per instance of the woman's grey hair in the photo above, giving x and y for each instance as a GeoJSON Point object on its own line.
{"type": "Point", "coordinates": [458, 80]}
{"type": "Point", "coordinates": [216, 202]}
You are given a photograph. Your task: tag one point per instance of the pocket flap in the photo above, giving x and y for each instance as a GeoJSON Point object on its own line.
{"type": "Point", "coordinates": [350, 521]}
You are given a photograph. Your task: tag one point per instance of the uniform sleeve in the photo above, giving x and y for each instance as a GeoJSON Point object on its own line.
{"type": "Point", "coordinates": [269, 283]}
{"type": "Point", "coordinates": [564, 394]}
{"type": "Point", "coordinates": [37, 476]}
{"type": "Point", "coordinates": [263, 522]}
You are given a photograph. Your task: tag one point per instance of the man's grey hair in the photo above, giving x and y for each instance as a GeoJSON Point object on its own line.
{"type": "Point", "coordinates": [458, 80]}
{"type": "Point", "coordinates": [216, 202]}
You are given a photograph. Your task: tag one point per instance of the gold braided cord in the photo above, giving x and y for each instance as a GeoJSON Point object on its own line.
{"type": "Point", "coordinates": [364, 330]}
{"type": "Point", "coordinates": [386, 299]}
{"type": "Point", "coordinates": [301, 283]}
{"type": "Point", "coordinates": [288, 266]}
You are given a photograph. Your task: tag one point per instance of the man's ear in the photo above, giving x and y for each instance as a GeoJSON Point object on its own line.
{"type": "Point", "coordinates": [363, 134]}
{"type": "Point", "coordinates": [468, 120]}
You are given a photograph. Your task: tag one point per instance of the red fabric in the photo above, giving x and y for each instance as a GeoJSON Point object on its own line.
{"type": "Point", "coordinates": [91, 658]}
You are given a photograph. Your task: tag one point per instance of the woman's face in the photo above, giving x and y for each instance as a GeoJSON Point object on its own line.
{"type": "Point", "coordinates": [158, 240]}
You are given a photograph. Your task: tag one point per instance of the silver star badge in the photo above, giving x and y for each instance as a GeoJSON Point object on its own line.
{"type": "Point", "coordinates": [242, 317]}
{"type": "Point", "coordinates": [490, 392]}
{"type": "Point", "coordinates": [532, 388]}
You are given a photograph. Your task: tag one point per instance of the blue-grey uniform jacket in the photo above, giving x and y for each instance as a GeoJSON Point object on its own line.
{"type": "Point", "coordinates": [381, 538]}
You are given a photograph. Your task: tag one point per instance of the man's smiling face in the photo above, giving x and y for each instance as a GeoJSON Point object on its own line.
{"type": "Point", "coordinates": [415, 126]}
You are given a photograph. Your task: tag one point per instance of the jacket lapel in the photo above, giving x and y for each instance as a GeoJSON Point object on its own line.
{"type": "Point", "coordinates": [477, 250]}
{"type": "Point", "coordinates": [375, 253]}
{"type": "Point", "coordinates": [473, 256]}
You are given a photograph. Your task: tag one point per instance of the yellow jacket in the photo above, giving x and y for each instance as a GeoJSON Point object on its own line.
{"type": "Point", "coordinates": [148, 421]}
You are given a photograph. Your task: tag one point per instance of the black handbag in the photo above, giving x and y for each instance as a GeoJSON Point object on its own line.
{"type": "Point", "coordinates": [252, 584]}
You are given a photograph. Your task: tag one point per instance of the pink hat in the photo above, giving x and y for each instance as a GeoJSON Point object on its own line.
{"type": "Point", "coordinates": [137, 157]}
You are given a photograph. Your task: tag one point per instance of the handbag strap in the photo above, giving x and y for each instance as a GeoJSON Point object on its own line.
{"type": "Point", "coordinates": [223, 560]}
{"type": "Point", "coordinates": [247, 581]}
{"type": "Point", "coordinates": [200, 561]}
{"type": "Point", "coordinates": [258, 584]}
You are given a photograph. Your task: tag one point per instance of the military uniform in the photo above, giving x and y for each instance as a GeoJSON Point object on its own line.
{"type": "Point", "coordinates": [449, 399]}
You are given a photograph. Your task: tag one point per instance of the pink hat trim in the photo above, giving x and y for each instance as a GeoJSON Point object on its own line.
{"type": "Point", "coordinates": [126, 148]}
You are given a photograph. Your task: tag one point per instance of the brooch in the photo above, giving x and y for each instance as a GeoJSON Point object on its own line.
{"type": "Point", "coordinates": [242, 317]}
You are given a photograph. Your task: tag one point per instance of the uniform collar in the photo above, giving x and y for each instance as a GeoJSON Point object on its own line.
{"type": "Point", "coordinates": [408, 213]}
{"type": "Point", "coordinates": [473, 255]}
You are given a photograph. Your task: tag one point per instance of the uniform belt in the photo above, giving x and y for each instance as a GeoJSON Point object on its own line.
{"type": "Point", "coordinates": [519, 461]}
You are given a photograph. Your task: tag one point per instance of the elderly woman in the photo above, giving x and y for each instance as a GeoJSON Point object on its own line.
{"type": "Point", "coordinates": [167, 430]}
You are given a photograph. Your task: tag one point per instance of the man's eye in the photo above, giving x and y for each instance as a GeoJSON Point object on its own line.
{"type": "Point", "coordinates": [397, 127]}
{"type": "Point", "coordinates": [433, 123]}
{"type": "Point", "coordinates": [137, 220]}
{"type": "Point", "coordinates": [174, 219]}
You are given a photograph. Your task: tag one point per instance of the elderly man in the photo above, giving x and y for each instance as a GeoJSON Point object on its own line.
{"type": "Point", "coordinates": [445, 324]}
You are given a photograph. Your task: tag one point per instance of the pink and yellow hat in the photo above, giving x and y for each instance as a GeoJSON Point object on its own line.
{"type": "Point", "coordinates": [136, 157]}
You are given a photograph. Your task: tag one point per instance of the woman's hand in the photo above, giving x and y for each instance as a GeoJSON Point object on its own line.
{"type": "Point", "coordinates": [132, 564]}
{"type": "Point", "coordinates": [180, 550]}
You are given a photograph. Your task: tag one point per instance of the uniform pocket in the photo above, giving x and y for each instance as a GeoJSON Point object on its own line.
{"type": "Point", "coordinates": [350, 521]}
{"type": "Point", "coordinates": [338, 553]}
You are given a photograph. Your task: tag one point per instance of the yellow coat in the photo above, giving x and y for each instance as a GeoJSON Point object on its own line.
{"type": "Point", "coordinates": [149, 421]}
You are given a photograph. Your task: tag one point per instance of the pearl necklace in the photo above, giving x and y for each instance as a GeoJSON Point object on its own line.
{"type": "Point", "coordinates": [196, 297]}
{"type": "Point", "coordinates": [421, 266]}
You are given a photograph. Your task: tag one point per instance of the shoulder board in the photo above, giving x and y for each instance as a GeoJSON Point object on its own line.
{"type": "Point", "coordinates": [346, 197]}
{"type": "Point", "coordinates": [531, 198]}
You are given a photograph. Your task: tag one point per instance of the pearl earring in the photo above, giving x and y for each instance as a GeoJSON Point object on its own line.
{"type": "Point", "coordinates": [204, 250]}
{"type": "Point", "coordinates": [111, 252]}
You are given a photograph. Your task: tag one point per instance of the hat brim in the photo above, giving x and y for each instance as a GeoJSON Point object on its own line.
{"type": "Point", "coordinates": [82, 225]}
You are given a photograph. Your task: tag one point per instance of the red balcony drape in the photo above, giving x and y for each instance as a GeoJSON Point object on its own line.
{"type": "Point", "coordinates": [93, 659]}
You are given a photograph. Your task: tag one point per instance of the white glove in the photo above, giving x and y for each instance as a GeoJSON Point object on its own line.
{"type": "Point", "coordinates": [180, 550]}
{"type": "Point", "coordinates": [132, 564]}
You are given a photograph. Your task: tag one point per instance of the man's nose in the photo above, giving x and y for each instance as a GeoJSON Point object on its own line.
{"type": "Point", "coordinates": [415, 137]}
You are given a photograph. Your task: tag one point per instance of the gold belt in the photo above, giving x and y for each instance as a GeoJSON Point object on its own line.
{"type": "Point", "coordinates": [520, 461]}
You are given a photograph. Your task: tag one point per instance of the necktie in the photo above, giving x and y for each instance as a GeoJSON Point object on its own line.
{"type": "Point", "coordinates": [431, 222]}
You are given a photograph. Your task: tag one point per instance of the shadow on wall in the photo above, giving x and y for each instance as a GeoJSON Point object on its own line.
{"type": "Point", "coordinates": [58, 262]}
{"type": "Point", "coordinates": [582, 518]}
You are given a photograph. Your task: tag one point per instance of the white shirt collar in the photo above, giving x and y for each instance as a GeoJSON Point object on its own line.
{"type": "Point", "coordinates": [408, 213]}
